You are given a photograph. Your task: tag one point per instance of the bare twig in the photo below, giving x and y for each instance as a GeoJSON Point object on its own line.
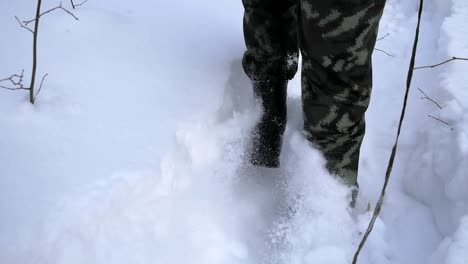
{"type": "Point", "coordinates": [23, 26]}
{"type": "Point", "coordinates": [383, 51]}
{"type": "Point", "coordinates": [27, 22]}
{"type": "Point", "coordinates": [80, 4]}
{"type": "Point", "coordinates": [386, 35]}
{"type": "Point", "coordinates": [12, 78]}
{"type": "Point", "coordinates": [438, 119]}
{"type": "Point", "coordinates": [17, 84]}
{"type": "Point", "coordinates": [16, 81]}
{"type": "Point", "coordinates": [388, 173]}
{"type": "Point", "coordinates": [34, 64]}
{"type": "Point", "coordinates": [438, 64]}
{"type": "Point", "coordinates": [430, 99]}
{"type": "Point", "coordinates": [13, 88]}
{"type": "Point", "coordinates": [77, 5]}
{"type": "Point", "coordinates": [40, 87]}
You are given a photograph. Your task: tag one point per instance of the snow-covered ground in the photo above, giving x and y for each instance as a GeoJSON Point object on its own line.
{"type": "Point", "coordinates": [133, 151]}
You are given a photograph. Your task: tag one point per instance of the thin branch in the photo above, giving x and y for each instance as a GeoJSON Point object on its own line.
{"type": "Point", "coordinates": [23, 26]}
{"type": "Point", "coordinates": [17, 84]}
{"type": "Point", "coordinates": [14, 88]}
{"type": "Point", "coordinates": [40, 87]}
{"type": "Point", "coordinates": [12, 80]}
{"type": "Point", "coordinates": [77, 5]}
{"type": "Point", "coordinates": [34, 62]}
{"type": "Point", "coordinates": [438, 119]}
{"type": "Point", "coordinates": [386, 35]}
{"type": "Point", "coordinates": [388, 173]}
{"type": "Point", "coordinates": [26, 22]}
{"type": "Point", "coordinates": [383, 51]}
{"type": "Point", "coordinates": [428, 98]}
{"type": "Point", "coordinates": [438, 64]}
{"type": "Point", "coordinates": [80, 4]}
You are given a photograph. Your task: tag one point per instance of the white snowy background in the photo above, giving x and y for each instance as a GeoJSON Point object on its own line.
{"type": "Point", "coordinates": [133, 151]}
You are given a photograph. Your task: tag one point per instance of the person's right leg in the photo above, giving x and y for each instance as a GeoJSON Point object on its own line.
{"type": "Point", "coordinates": [270, 32]}
{"type": "Point", "coordinates": [337, 38]}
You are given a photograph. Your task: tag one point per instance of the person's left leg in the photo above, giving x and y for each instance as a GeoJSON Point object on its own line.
{"type": "Point", "coordinates": [270, 32]}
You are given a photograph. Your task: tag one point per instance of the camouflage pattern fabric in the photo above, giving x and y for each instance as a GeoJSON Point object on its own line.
{"type": "Point", "coordinates": [270, 31]}
{"type": "Point", "coordinates": [336, 39]}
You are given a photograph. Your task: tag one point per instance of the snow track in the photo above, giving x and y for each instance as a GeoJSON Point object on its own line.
{"type": "Point", "coordinates": [135, 148]}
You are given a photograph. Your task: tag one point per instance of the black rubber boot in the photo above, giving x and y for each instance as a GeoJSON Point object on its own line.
{"type": "Point", "coordinates": [268, 134]}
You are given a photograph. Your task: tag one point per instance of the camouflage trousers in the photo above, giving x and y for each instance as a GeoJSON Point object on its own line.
{"type": "Point", "coordinates": [336, 39]}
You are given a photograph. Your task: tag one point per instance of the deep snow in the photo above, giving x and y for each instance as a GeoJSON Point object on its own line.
{"type": "Point", "coordinates": [133, 152]}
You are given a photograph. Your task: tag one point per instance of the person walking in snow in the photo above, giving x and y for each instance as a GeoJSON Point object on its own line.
{"type": "Point", "coordinates": [336, 39]}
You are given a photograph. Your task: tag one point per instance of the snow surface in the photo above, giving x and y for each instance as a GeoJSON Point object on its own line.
{"type": "Point", "coordinates": [133, 152]}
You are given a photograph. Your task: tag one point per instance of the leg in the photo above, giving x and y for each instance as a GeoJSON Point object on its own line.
{"type": "Point", "coordinates": [270, 31]}
{"type": "Point", "coordinates": [337, 38]}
